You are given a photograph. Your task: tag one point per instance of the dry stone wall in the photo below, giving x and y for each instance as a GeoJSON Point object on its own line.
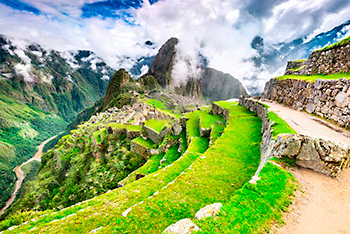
{"type": "Point", "coordinates": [329, 61]}
{"type": "Point", "coordinates": [326, 98]}
{"type": "Point", "coordinates": [218, 110]}
{"type": "Point", "coordinates": [323, 156]}
{"type": "Point", "coordinates": [139, 149]}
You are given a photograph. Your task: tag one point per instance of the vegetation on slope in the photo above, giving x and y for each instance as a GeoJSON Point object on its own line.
{"type": "Point", "coordinates": [22, 128]}
{"type": "Point", "coordinates": [80, 167]}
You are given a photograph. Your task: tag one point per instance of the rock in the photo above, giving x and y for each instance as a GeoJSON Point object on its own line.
{"type": "Point", "coordinates": [208, 211]}
{"type": "Point", "coordinates": [183, 226]}
{"type": "Point", "coordinates": [310, 107]}
{"type": "Point", "coordinates": [176, 129]}
{"type": "Point", "coordinates": [287, 145]}
{"type": "Point", "coordinates": [308, 156]}
{"type": "Point", "coordinates": [342, 99]}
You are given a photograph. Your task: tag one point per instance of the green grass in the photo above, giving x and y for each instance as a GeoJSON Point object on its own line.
{"type": "Point", "coordinates": [171, 155]}
{"type": "Point", "coordinates": [224, 104]}
{"type": "Point", "coordinates": [254, 206]}
{"type": "Point", "coordinates": [149, 167]}
{"type": "Point", "coordinates": [156, 103]}
{"type": "Point", "coordinates": [162, 107]}
{"type": "Point", "coordinates": [280, 126]}
{"type": "Point", "coordinates": [128, 127]}
{"type": "Point", "coordinates": [208, 120]}
{"type": "Point", "coordinates": [296, 68]}
{"type": "Point", "coordinates": [214, 122]}
{"type": "Point", "coordinates": [343, 42]}
{"type": "Point", "coordinates": [313, 78]}
{"type": "Point", "coordinates": [213, 178]}
{"type": "Point", "coordinates": [149, 144]}
{"type": "Point", "coordinates": [266, 106]}
{"type": "Point", "coordinates": [300, 60]}
{"type": "Point", "coordinates": [157, 124]}
{"type": "Point", "coordinates": [104, 209]}
{"type": "Point", "coordinates": [96, 135]}
{"type": "Point", "coordinates": [192, 125]}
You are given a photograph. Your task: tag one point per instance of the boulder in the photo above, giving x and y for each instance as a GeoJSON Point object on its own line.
{"type": "Point", "coordinates": [208, 211]}
{"type": "Point", "coordinates": [184, 226]}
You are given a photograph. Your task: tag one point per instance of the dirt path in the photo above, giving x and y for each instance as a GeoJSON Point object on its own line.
{"type": "Point", "coordinates": [310, 125]}
{"type": "Point", "coordinates": [323, 206]}
{"type": "Point", "coordinates": [20, 174]}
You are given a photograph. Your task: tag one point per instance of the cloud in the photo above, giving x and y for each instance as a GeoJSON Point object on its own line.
{"type": "Point", "coordinates": [221, 31]}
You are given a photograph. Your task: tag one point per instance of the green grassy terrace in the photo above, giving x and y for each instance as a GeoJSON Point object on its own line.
{"type": "Point", "coordinates": [128, 127]}
{"type": "Point", "coordinates": [161, 106]}
{"type": "Point", "coordinates": [214, 122]}
{"type": "Point", "coordinates": [254, 206]}
{"type": "Point", "coordinates": [157, 124]}
{"type": "Point", "coordinates": [200, 176]}
{"type": "Point", "coordinates": [149, 144]}
{"type": "Point", "coordinates": [313, 78]}
{"type": "Point", "coordinates": [280, 126]}
{"type": "Point", "coordinates": [154, 163]}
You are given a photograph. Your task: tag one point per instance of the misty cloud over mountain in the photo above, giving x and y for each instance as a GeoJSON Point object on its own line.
{"type": "Point", "coordinates": [222, 32]}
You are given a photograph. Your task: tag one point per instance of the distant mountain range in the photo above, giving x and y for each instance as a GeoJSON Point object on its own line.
{"type": "Point", "coordinates": [41, 91]}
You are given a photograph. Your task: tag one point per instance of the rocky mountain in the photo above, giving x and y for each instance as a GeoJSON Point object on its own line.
{"type": "Point", "coordinates": [41, 91]}
{"type": "Point", "coordinates": [210, 85]}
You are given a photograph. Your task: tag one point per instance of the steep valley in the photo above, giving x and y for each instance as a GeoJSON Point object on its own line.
{"type": "Point", "coordinates": [41, 92]}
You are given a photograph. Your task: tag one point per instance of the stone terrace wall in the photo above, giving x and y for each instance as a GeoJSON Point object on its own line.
{"type": "Point", "coordinates": [261, 111]}
{"type": "Point", "coordinates": [319, 155]}
{"type": "Point", "coordinates": [326, 98]}
{"type": "Point", "coordinates": [329, 61]}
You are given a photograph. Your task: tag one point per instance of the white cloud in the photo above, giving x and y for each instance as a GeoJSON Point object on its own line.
{"type": "Point", "coordinates": [144, 70]}
{"type": "Point", "coordinates": [220, 30]}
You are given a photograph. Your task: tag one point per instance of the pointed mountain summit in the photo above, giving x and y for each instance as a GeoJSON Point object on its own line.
{"type": "Point", "coordinates": [210, 84]}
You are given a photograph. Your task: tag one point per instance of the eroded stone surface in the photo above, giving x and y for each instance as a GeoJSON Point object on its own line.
{"type": "Point", "coordinates": [317, 154]}
{"type": "Point", "coordinates": [208, 211]}
{"type": "Point", "coordinates": [184, 226]}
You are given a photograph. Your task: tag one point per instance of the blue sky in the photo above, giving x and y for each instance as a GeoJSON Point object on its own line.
{"type": "Point", "coordinates": [221, 30]}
